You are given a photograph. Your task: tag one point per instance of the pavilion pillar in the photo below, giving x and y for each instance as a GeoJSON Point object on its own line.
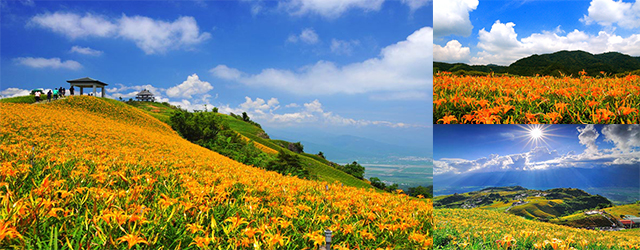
{"type": "Point", "coordinates": [81, 90]}
{"type": "Point", "coordinates": [94, 90]}
{"type": "Point", "coordinates": [102, 91]}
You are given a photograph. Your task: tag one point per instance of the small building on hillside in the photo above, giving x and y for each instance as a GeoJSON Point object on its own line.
{"type": "Point", "coordinates": [145, 96]}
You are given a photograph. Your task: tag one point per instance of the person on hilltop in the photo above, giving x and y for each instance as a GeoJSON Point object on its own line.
{"type": "Point", "coordinates": [71, 90]}
{"type": "Point", "coordinates": [62, 92]}
{"type": "Point", "coordinates": [49, 96]}
{"type": "Point", "coordinates": [55, 94]}
{"type": "Point", "coordinates": [37, 94]}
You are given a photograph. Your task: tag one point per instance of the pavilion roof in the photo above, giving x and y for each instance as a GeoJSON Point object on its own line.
{"type": "Point", "coordinates": [87, 80]}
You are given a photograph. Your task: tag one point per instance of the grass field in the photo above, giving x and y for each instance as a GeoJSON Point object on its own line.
{"type": "Point", "coordinates": [518, 100]}
{"type": "Point", "coordinates": [85, 172]}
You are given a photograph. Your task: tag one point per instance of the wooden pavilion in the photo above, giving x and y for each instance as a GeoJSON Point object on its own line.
{"type": "Point", "coordinates": [87, 82]}
{"type": "Point", "coordinates": [145, 96]}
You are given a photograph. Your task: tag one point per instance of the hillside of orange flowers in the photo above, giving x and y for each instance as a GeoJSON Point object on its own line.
{"type": "Point", "coordinates": [85, 173]}
{"type": "Point", "coordinates": [518, 100]}
{"type": "Point", "coordinates": [485, 229]}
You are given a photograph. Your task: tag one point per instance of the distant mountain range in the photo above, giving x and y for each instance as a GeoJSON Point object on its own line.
{"type": "Point", "coordinates": [555, 64]}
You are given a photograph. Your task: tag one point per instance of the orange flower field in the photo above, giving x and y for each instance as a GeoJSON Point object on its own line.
{"type": "Point", "coordinates": [84, 173]}
{"type": "Point", "coordinates": [485, 229]}
{"type": "Point", "coordinates": [518, 100]}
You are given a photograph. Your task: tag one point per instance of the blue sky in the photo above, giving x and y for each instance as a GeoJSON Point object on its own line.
{"type": "Point", "coordinates": [500, 32]}
{"type": "Point", "coordinates": [358, 67]}
{"type": "Point", "coordinates": [602, 155]}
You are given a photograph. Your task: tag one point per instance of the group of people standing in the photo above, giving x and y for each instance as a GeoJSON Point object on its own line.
{"type": "Point", "coordinates": [55, 93]}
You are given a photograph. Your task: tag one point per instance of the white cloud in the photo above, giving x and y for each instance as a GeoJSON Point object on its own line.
{"type": "Point", "coordinates": [54, 63]}
{"type": "Point", "coordinates": [13, 92]}
{"type": "Point", "coordinates": [341, 47]}
{"type": "Point", "coordinates": [451, 52]}
{"type": "Point", "coordinates": [328, 8]}
{"type": "Point", "coordinates": [311, 113]}
{"type": "Point", "coordinates": [404, 66]}
{"type": "Point", "coordinates": [501, 46]}
{"type": "Point", "coordinates": [587, 137]}
{"type": "Point", "coordinates": [75, 26]}
{"type": "Point", "coordinates": [152, 36]}
{"type": "Point", "coordinates": [85, 51]}
{"type": "Point", "coordinates": [416, 4]}
{"type": "Point", "coordinates": [192, 86]}
{"type": "Point", "coordinates": [224, 72]}
{"type": "Point", "coordinates": [308, 36]}
{"type": "Point", "coordinates": [409, 95]}
{"type": "Point", "coordinates": [609, 12]}
{"type": "Point", "coordinates": [625, 137]}
{"type": "Point", "coordinates": [335, 8]}
{"type": "Point", "coordinates": [451, 17]}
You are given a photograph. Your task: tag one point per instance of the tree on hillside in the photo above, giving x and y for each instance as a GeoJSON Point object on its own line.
{"type": "Point", "coordinates": [287, 163]}
{"type": "Point", "coordinates": [245, 117]}
{"type": "Point", "coordinates": [296, 147]}
{"type": "Point", "coordinates": [354, 169]}
{"type": "Point", "coordinates": [321, 155]}
{"type": "Point", "coordinates": [376, 182]}
{"type": "Point", "coordinates": [427, 192]}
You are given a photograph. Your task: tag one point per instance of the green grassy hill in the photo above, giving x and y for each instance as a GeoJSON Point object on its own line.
{"type": "Point", "coordinates": [556, 205]}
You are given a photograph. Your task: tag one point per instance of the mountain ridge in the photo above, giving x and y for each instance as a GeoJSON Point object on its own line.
{"type": "Point", "coordinates": [559, 63]}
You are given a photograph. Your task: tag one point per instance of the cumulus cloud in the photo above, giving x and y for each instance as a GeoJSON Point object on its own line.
{"type": "Point", "coordinates": [587, 137]}
{"type": "Point", "coordinates": [452, 17]}
{"type": "Point", "coordinates": [500, 45]}
{"type": "Point", "coordinates": [625, 137]}
{"type": "Point", "coordinates": [150, 35]}
{"type": "Point", "coordinates": [85, 51]}
{"type": "Point", "coordinates": [330, 9]}
{"type": "Point", "coordinates": [341, 47]}
{"type": "Point", "coordinates": [155, 36]}
{"type": "Point", "coordinates": [75, 26]}
{"type": "Point", "coordinates": [451, 52]}
{"type": "Point", "coordinates": [311, 113]}
{"type": "Point", "coordinates": [308, 36]}
{"type": "Point", "coordinates": [13, 92]}
{"type": "Point", "coordinates": [610, 12]}
{"type": "Point", "coordinates": [192, 86]}
{"type": "Point", "coordinates": [54, 63]}
{"type": "Point", "coordinates": [404, 66]}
